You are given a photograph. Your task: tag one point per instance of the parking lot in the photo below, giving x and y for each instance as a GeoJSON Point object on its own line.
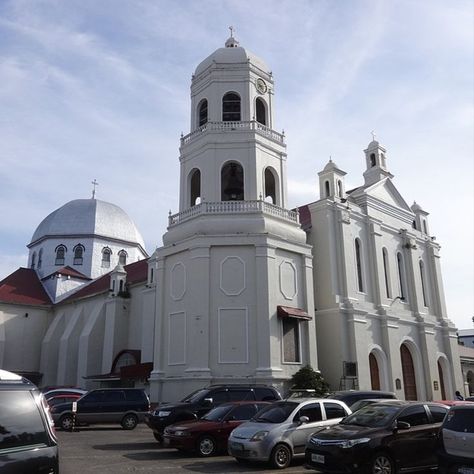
{"type": "Point", "coordinates": [112, 450]}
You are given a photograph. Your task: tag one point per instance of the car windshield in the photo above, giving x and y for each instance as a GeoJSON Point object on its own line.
{"type": "Point", "coordinates": [372, 416]}
{"type": "Point", "coordinates": [275, 413]}
{"type": "Point", "coordinates": [195, 396]}
{"type": "Point", "coordinates": [217, 414]}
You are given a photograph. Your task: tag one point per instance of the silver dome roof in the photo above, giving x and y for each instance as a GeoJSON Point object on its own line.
{"type": "Point", "coordinates": [89, 217]}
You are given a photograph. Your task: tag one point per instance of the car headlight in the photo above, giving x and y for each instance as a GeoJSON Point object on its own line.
{"type": "Point", "coordinates": [259, 436]}
{"type": "Point", "coordinates": [181, 433]}
{"type": "Point", "coordinates": [353, 442]}
{"type": "Point", "coordinates": [163, 413]}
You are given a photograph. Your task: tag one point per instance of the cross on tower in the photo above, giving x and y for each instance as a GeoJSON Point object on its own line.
{"type": "Point", "coordinates": [231, 28]}
{"type": "Point", "coordinates": [94, 183]}
{"type": "Point", "coordinates": [373, 135]}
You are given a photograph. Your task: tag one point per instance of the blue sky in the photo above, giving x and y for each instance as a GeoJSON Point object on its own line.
{"type": "Point", "coordinates": [100, 90]}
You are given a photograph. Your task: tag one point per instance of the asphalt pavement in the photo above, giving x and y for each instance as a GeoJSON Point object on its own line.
{"type": "Point", "coordinates": [112, 450]}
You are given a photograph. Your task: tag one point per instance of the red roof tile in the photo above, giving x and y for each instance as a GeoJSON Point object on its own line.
{"type": "Point", "coordinates": [68, 271]}
{"type": "Point", "coordinates": [305, 217]}
{"type": "Point", "coordinates": [23, 287]}
{"type": "Point", "coordinates": [136, 273]}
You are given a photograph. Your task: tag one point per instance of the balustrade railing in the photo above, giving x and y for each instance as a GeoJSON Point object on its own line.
{"type": "Point", "coordinates": [232, 207]}
{"type": "Point", "coordinates": [228, 126]}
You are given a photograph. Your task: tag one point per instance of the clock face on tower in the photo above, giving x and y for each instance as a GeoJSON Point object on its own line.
{"type": "Point", "coordinates": [261, 85]}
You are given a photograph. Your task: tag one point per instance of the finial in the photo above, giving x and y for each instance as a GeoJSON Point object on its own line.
{"type": "Point", "coordinates": [231, 28]}
{"type": "Point", "coordinates": [373, 135]}
{"type": "Point", "coordinates": [330, 158]}
{"type": "Point", "coordinates": [94, 183]}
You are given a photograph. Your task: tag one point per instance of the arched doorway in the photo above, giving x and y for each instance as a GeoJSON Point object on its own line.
{"type": "Point", "coordinates": [441, 381]}
{"type": "Point", "coordinates": [374, 372]}
{"type": "Point", "coordinates": [408, 370]}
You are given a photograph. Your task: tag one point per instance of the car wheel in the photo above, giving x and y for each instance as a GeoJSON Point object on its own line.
{"type": "Point", "coordinates": [129, 422]}
{"type": "Point", "coordinates": [281, 456]}
{"type": "Point", "coordinates": [206, 446]}
{"type": "Point", "coordinates": [382, 464]}
{"type": "Point", "coordinates": [158, 438]}
{"type": "Point", "coordinates": [66, 422]}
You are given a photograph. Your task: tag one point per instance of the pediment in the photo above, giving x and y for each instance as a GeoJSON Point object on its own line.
{"type": "Point", "coordinates": [385, 191]}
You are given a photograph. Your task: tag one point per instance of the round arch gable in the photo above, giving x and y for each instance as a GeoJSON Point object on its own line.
{"type": "Point", "coordinates": [417, 365]}
{"type": "Point", "coordinates": [443, 361]}
{"type": "Point", "coordinates": [382, 361]}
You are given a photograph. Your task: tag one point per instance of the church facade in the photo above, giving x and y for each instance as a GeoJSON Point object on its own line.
{"type": "Point", "coordinates": [243, 288]}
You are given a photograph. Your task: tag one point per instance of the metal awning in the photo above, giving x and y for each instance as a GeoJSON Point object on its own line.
{"type": "Point", "coordinates": [289, 312]}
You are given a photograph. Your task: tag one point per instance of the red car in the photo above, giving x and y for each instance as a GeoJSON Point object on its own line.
{"type": "Point", "coordinates": [209, 434]}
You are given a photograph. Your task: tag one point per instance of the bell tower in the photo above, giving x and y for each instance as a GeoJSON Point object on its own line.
{"type": "Point", "coordinates": [234, 300]}
{"type": "Point", "coordinates": [232, 152]}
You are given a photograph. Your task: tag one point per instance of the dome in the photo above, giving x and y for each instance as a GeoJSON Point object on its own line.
{"type": "Point", "coordinates": [416, 207]}
{"type": "Point", "coordinates": [89, 217]}
{"type": "Point", "coordinates": [330, 166]}
{"type": "Point", "coordinates": [231, 54]}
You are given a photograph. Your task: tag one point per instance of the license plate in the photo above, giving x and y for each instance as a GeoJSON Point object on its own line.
{"type": "Point", "coordinates": [237, 446]}
{"type": "Point", "coordinates": [466, 470]}
{"type": "Point", "coordinates": [317, 458]}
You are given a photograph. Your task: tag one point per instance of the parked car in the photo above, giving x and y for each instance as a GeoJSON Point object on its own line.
{"type": "Point", "coordinates": [367, 401]}
{"type": "Point", "coordinates": [349, 397]}
{"type": "Point", "coordinates": [57, 399]}
{"type": "Point", "coordinates": [198, 403]}
{"type": "Point", "coordinates": [64, 391]}
{"type": "Point", "coordinates": [456, 441]}
{"type": "Point", "coordinates": [28, 444]}
{"type": "Point", "coordinates": [209, 434]}
{"type": "Point", "coordinates": [126, 406]}
{"type": "Point", "coordinates": [280, 432]}
{"type": "Point", "coordinates": [469, 399]}
{"type": "Point", "coordinates": [384, 437]}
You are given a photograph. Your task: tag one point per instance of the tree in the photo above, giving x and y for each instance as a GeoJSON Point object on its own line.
{"type": "Point", "coordinates": [307, 377]}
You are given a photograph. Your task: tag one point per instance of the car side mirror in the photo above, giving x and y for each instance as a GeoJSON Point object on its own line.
{"type": "Point", "coordinates": [402, 425]}
{"type": "Point", "coordinates": [303, 420]}
{"type": "Point", "coordinates": [207, 402]}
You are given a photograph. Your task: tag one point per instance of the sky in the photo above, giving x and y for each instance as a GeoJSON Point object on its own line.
{"type": "Point", "coordinates": [101, 90]}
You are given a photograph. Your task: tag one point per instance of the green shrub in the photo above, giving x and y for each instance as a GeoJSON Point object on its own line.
{"type": "Point", "coordinates": [306, 378]}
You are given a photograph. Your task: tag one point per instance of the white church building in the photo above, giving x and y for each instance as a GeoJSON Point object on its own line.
{"type": "Point", "coordinates": [243, 288]}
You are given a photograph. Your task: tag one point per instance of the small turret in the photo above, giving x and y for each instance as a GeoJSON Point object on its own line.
{"type": "Point", "coordinates": [331, 181]}
{"type": "Point", "coordinates": [421, 218]}
{"type": "Point", "coordinates": [376, 163]}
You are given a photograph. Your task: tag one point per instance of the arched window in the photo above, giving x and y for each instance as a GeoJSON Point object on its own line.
{"type": "Point", "coordinates": [441, 381]}
{"type": "Point", "coordinates": [232, 182]}
{"type": "Point", "coordinates": [339, 188]}
{"type": "Point", "coordinates": [261, 111]}
{"type": "Point", "coordinates": [40, 258]}
{"type": "Point", "coordinates": [106, 253]}
{"type": "Point", "coordinates": [202, 112]}
{"type": "Point", "coordinates": [122, 257]}
{"type": "Point", "coordinates": [425, 227]}
{"type": "Point", "coordinates": [327, 188]}
{"type": "Point", "coordinates": [413, 224]}
{"type": "Point", "coordinates": [372, 160]}
{"type": "Point", "coordinates": [358, 252]}
{"type": "Point", "coordinates": [60, 255]}
{"type": "Point", "coordinates": [423, 284]}
{"type": "Point", "coordinates": [231, 107]}
{"type": "Point", "coordinates": [78, 254]}
{"type": "Point", "coordinates": [195, 185]}
{"type": "Point", "coordinates": [386, 272]}
{"type": "Point", "coordinates": [33, 260]}
{"type": "Point", "coordinates": [401, 276]}
{"type": "Point", "coordinates": [270, 186]}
